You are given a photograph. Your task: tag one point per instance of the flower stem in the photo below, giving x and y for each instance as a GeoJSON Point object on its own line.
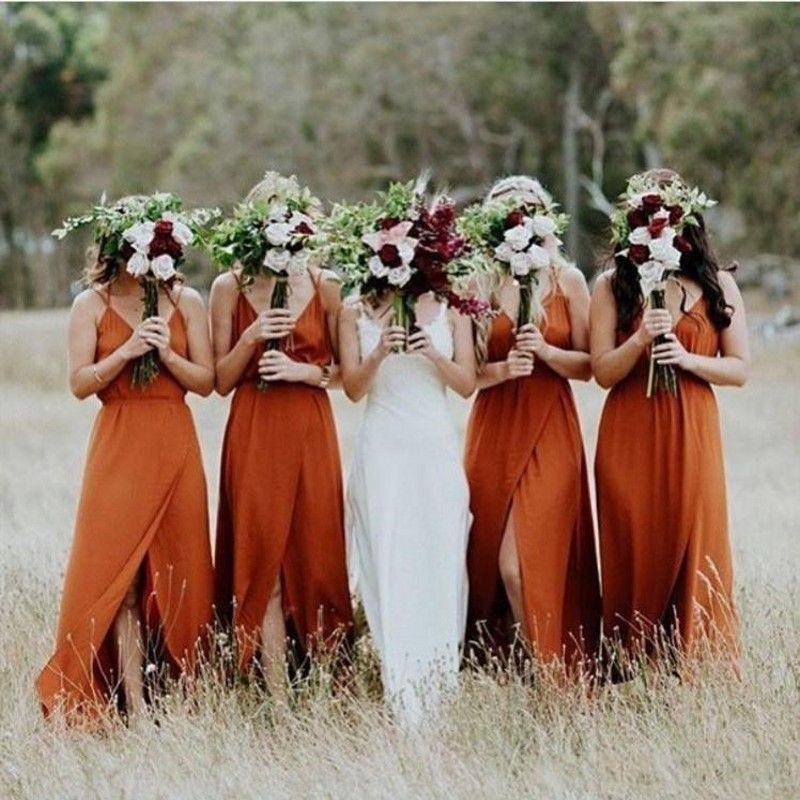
{"type": "Point", "coordinates": [279, 299]}
{"type": "Point", "coordinates": [147, 366]}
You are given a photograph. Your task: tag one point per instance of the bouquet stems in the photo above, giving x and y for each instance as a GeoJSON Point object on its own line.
{"type": "Point", "coordinates": [279, 299]}
{"type": "Point", "coordinates": [660, 377]}
{"type": "Point", "coordinates": [404, 314]}
{"type": "Point", "coordinates": [526, 285]}
{"type": "Point", "coordinates": [146, 367]}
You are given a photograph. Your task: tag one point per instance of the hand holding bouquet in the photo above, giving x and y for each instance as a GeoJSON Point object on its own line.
{"type": "Point", "coordinates": [149, 235]}
{"type": "Point", "coordinates": [647, 231]}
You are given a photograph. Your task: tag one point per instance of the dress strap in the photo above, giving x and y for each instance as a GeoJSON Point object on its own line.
{"type": "Point", "coordinates": [105, 295]}
{"type": "Point", "coordinates": [316, 277]}
{"type": "Point", "coordinates": [177, 299]}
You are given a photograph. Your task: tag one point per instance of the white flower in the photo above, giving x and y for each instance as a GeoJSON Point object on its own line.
{"type": "Point", "coordinates": [540, 258]}
{"type": "Point", "coordinates": [140, 235]}
{"type": "Point", "coordinates": [520, 235]}
{"type": "Point", "coordinates": [651, 273]}
{"type": "Point", "coordinates": [181, 232]}
{"type": "Point", "coordinates": [543, 226]}
{"type": "Point", "coordinates": [163, 267]}
{"type": "Point", "coordinates": [504, 252]}
{"type": "Point", "coordinates": [377, 267]}
{"type": "Point", "coordinates": [150, 669]}
{"type": "Point", "coordinates": [405, 249]}
{"type": "Point", "coordinates": [278, 214]}
{"type": "Point", "coordinates": [138, 265]}
{"type": "Point", "coordinates": [277, 259]}
{"type": "Point", "coordinates": [278, 233]}
{"type": "Point", "coordinates": [297, 218]}
{"type": "Point", "coordinates": [399, 276]}
{"type": "Point", "coordinates": [640, 235]}
{"type": "Point", "coordinates": [298, 263]}
{"type": "Point", "coordinates": [521, 263]}
{"type": "Point", "coordinates": [662, 249]}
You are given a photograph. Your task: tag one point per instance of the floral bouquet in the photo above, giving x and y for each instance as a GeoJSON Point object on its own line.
{"type": "Point", "coordinates": [149, 235]}
{"type": "Point", "coordinates": [517, 238]}
{"type": "Point", "coordinates": [273, 235]}
{"type": "Point", "coordinates": [647, 231]}
{"type": "Point", "coordinates": [399, 243]}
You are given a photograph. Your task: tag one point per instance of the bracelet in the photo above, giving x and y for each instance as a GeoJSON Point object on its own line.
{"type": "Point", "coordinates": [97, 376]}
{"type": "Point", "coordinates": [326, 377]}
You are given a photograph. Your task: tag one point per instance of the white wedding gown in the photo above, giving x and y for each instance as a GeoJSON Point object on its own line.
{"type": "Point", "coordinates": [408, 523]}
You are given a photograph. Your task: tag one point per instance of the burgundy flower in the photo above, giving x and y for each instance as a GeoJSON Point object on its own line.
{"type": "Point", "coordinates": [390, 255]}
{"type": "Point", "coordinates": [515, 217]}
{"type": "Point", "coordinates": [163, 228]}
{"type": "Point", "coordinates": [638, 253]}
{"type": "Point", "coordinates": [675, 214]}
{"type": "Point", "coordinates": [303, 228]}
{"type": "Point", "coordinates": [655, 226]}
{"type": "Point", "coordinates": [683, 244]}
{"type": "Point", "coordinates": [389, 222]}
{"type": "Point", "coordinates": [651, 203]}
{"type": "Point", "coordinates": [637, 218]}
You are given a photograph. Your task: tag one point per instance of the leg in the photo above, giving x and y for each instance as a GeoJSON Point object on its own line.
{"type": "Point", "coordinates": [130, 650]}
{"type": "Point", "coordinates": [510, 572]}
{"type": "Point", "coordinates": [273, 644]}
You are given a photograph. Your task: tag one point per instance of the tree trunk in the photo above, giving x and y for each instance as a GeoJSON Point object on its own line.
{"type": "Point", "coordinates": [569, 149]}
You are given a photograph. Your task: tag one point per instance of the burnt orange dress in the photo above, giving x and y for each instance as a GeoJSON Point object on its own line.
{"type": "Point", "coordinates": [281, 506]}
{"type": "Point", "coordinates": [662, 515]}
{"type": "Point", "coordinates": [525, 456]}
{"type": "Point", "coordinates": [142, 516]}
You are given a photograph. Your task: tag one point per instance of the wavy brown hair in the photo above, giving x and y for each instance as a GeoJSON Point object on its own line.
{"type": "Point", "coordinates": [700, 264]}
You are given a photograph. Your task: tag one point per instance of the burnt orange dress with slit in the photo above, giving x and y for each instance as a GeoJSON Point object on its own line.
{"type": "Point", "coordinates": [524, 456]}
{"type": "Point", "coordinates": [281, 506]}
{"type": "Point", "coordinates": [665, 553]}
{"type": "Point", "coordinates": [143, 517]}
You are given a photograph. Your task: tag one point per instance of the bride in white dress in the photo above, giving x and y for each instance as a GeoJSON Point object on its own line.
{"type": "Point", "coordinates": [407, 500]}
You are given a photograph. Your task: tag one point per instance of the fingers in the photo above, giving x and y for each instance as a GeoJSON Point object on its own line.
{"type": "Point", "coordinates": [274, 358]}
{"type": "Point", "coordinates": [419, 341]}
{"type": "Point", "coordinates": [393, 336]}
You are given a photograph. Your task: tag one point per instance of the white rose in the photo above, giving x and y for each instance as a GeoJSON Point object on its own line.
{"type": "Point", "coordinates": [540, 258]}
{"type": "Point", "coordinates": [661, 249]}
{"type": "Point", "coordinates": [140, 235]}
{"type": "Point", "coordinates": [138, 265]}
{"type": "Point", "coordinates": [377, 267]}
{"type": "Point", "coordinates": [298, 264]}
{"type": "Point", "coordinates": [297, 218]}
{"type": "Point", "coordinates": [399, 276]}
{"type": "Point", "coordinates": [521, 263]}
{"type": "Point", "coordinates": [651, 273]}
{"type": "Point", "coordinates": [278, 233]}
{"type": "Point", "coordinates": [181, 232]}
{"type": "Point", "coordinates": [504, 252]}
{"type": "Point", "coordinates": [520, 235]}
{"type": "Point", "coordinates": [163, 267]}
{"type": "Point", "coordinates": [405, 249]}
{"type": "Point", "coordinates": [640, 235]}
{"type": "Point", "coordinates": [277, 259]}
{"type": "Point", "coordinates": [543, 226]}
{"type": "Point", "coordinates": [278, 214]}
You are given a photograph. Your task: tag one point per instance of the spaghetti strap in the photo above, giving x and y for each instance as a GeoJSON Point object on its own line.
{"type": "Point", "coordinates": [177, 300]}
{"type": "Point", "coordinates": [105, 295]}
{"type": "Point", "coordinates": [315, 279]}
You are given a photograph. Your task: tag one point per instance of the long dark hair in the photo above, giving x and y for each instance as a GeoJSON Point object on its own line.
{"type": "Point", "coordinates": [700, 264]}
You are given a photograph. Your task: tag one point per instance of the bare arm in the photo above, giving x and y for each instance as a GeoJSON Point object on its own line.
{"type": "Point", "coordinates": [358, 373]}
{"type": "Point", "coordinates": [87, 377]}
{"type": "Point", "coordinates": [732, 366]}
{"type": "Point", "coordinates": [612, 363]}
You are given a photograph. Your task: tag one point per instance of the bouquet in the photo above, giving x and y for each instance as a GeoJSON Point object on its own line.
{"type": "Point", "coordinates": [518, 239]}
{"type": "Point", "coordinates": [275, 235]}
{"type": "Point", "coordinates": [401, 244]}
{"type": "Point", "coordinates": [149, 235]}
{"type": "Point", "coordinates": [647, 230]}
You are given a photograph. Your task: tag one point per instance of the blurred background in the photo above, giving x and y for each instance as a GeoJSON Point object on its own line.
{"type": "Point", "coordinates": [201, 99]}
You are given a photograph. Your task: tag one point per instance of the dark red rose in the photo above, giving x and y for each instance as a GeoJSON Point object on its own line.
{"type": "Point", "coordinates": [163, 227]}
{"type": "Point", "coordinates": [389, 222]}
{"type": "Point", "coordinates": [390, 255]}
{"type": "Point", "coordinates": [655, 226]}
{"type": "Point", "coordinates": [638, 253]}
{"type": "Point", "coordinates": [164, 244]}
{"type": "Point", "coordinates": [683, 244]}
{"type": "Point", "coordinates": [443, 217]}
{"type": "Point", "coordinates": [304, 229]}
{"type": "Point", "coordinates": [516, 217]}
{"type": "Point", "coordinates": [651, 203]}
{"type": "Point", "coordinates": [637, 218]}
{"type": "Point", "coordinates": [675, 214]}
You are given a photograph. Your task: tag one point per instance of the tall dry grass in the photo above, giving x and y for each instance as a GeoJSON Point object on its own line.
{"type": "Point", "coordinates": [652, 738]}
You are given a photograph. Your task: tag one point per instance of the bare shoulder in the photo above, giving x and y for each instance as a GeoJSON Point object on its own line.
{"type": "Point", "coordinates": [728, 284]}
{"type": "Point", "coordinates": [572, 280]}
{"type": "Point", "coordinates": [226, 283]}
{"type": "Point", "coordinates": [331, 288]}
{"type": "Point", "coordinates": [350, 310]}
{"type": "Point", "coordinates": [190, 300]}
{"type": "Point", "coordinates": [88, 303]}
{"type": "Point", "coordinates": [602, 283]}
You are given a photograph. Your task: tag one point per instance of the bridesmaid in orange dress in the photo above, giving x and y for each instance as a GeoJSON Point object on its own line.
{"type": "Point", "coordinates": [532, 549]}
{"type": "Point", "coordinates": [280, 549]}
{"type": "Point", "coordinates": [139, 581]}
{"type": "Point", "coordinates": [665, 552]}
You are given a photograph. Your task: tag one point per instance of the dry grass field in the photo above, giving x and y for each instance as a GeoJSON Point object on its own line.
{"type": "Point", "coordinates": [718, 738]}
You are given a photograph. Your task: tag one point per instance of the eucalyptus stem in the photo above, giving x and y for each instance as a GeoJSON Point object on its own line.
{"type": "Point", "coordinates": [147, 366]}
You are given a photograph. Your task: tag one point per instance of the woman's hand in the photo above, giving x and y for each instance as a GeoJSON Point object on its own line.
{"type": "Point", "coordinates": [393, 337]}
{"type": "Point", "coordinates": [275, 323]}
{"type": "Point", "coordinates": [655, 322]}
{"type": "Point", "coordinates": [137, 343]}
{"type": "Point", "coordinates": [275, 365]}
{"type": "Point", "coordinates": [157, 335]}
{"type": "Point", "coordinates": [420, 342]}
{"type": "Point", "coordinates": [529, 339]}
{"type": "Point", "coordinates": [519, 364]}
{"type": "Point", "coordinates": [673, 352]}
